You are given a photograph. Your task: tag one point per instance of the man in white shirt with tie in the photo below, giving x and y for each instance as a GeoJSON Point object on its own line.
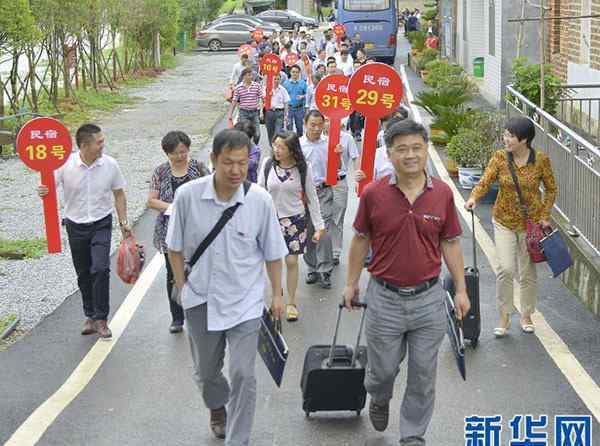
{"type": "Point", "coordinates": [318, 256]}
{"type": "Point", "coordinates": [223, 294]}
{"type": "Point", "coordinates": [90, 180]}
{"type": "Point", "coordinates": [276, 116]}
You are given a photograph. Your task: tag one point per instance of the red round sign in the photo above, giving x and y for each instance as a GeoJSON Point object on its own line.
{"type": "Point", "coordinates": [331, 96]}
{"type": "Point", "coordinates": [270, 64]}
{"type": "Point", "coordinates": [375, 90]}
{"type": "Point", "coordinates": [339, 30]}
{"type": "Point", "coordinates": [44, 144]}
{"type": "Point", "coordinates": [291, 59]}
{"type": "Point", "coordinates": [244, 49]}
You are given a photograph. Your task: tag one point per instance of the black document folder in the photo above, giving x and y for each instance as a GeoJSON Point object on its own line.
{"type": "Point", "coordinates": [272, 347]}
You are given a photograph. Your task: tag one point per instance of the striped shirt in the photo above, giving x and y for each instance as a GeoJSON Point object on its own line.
{"type": "Point", "coordinates": [248, 97]}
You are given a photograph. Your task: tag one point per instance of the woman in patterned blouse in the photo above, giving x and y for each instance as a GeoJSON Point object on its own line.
{"type": "Point", "coordinates": [532, 168]}
{"type": "Point", "coordinates": [178, 170]}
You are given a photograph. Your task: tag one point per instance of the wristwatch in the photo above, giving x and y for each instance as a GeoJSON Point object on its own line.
{"type": "Point", "coordinates": [123, 223]}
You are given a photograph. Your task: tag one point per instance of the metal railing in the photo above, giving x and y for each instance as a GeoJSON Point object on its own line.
{"type": "Point", "coordinates": [580, 111]}
{"type": "Point", "coordinates": [576, 166]}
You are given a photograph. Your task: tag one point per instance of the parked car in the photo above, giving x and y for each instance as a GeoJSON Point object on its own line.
{"type": "Point", "coordinates": [225, 35]}
{"type": "Point", "coordinates": [248, 20]}
{"type": "Point", "coordinates": [287, 19]}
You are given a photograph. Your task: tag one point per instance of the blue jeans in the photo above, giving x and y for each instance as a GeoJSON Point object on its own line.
{"type": "Point", "coordinates": [296, 116]}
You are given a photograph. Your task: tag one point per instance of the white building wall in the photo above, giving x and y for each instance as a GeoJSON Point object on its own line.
{"type": "Point", "coordinates": [477, 33]}
{"type": "Point", "coordinates": [461, 45]}
{"type": "Point", "coordinates": [492, 85]}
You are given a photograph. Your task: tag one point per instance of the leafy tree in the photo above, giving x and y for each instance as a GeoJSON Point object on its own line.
{"type": "Point", "coordinates": [527, 82]}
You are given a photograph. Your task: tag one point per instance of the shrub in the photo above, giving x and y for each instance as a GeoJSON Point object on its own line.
{"type": "Point", "coordinates": [527, 82]}
{"type": "Point", "coordinates": [427, 55]}
{"type": "Point", "coordinates": [429, 14]}
{"type": "Point", "coordinates": [417, 39]}
{"type": "Point", "coordinates": [452, 119]}
{"type": "Point", "coordinates": [467, 148]}
{"type": "Point", "coordinates": [438, 99]}
{"type": "Point", "coordinates": [442, 74]}
{"type": "Point", "coordinates": [490, 127]}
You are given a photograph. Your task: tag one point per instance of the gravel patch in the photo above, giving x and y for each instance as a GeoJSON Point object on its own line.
{"type": "Point", "coordinates": [188, 98]}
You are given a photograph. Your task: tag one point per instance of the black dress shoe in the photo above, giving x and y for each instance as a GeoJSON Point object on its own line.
{"type": "Point", "coordinates": [176, 327]}
{"type": "Point", "coordinates": [325, 280]}
{"type": "Point", "coordinates": [312, 278]}
{"type": "Point", "coordinates": [336, 261]}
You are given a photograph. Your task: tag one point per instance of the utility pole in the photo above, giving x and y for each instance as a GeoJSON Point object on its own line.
{"type": "Point", "coordinates": [542, 54]}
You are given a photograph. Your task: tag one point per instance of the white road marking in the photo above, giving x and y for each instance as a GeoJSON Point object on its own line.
{"type": "Point", "coordinates": [580, 380]}
{"type": "Point", "coordinates": [32, 429]}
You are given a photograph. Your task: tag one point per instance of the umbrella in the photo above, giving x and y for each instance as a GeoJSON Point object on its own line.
{"type": "Point", "coordinates": [455, 334]}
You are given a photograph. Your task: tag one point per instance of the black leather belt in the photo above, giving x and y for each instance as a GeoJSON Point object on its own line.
{"type": "Point", "coordinates": [277, 109]}
{"type": "Point", "coordinates": [323, 186]}
{"type": "Point", "coordinates": [407, 291]}
{"type": "Point", "coordinates": [341, 177]}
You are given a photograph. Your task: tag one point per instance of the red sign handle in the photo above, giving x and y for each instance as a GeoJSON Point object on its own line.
{"type": "Point", "coordinates": [269, 93]}
{"type": "Point", "coordinates": [367, 161]}
{"type": "Point", "coordinates": [51, 213]}
{"type": "Point", "coordinates": [333, 158]}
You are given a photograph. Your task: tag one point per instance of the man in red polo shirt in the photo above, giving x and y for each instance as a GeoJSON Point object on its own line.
{"type": "Point", "coordinates": [410, 221]}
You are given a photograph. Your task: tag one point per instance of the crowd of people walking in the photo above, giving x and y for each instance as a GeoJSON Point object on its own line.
{"type": "Point", "coordinates": [225, 232]}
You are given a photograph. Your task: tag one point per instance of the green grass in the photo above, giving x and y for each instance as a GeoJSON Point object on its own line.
{"type": "Point", "coordinates": [6, 321]}
{"type": "Point", "coordinates": [31, 249]}
{"type": "Point", "coordinates": [168, 61]}
{"type": "Point", "coordinates": [230, 5]}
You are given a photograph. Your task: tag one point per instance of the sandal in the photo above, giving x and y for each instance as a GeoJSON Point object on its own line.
{"type": "Point", "coordinates": [527, 327]}
{"type": "Point", "coordinates": [291, 313]}
{"type": "Point", "coordinates": [501, 332]}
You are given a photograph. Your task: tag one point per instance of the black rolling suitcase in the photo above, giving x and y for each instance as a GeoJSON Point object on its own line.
{"type": "Point", "coordinates": [333, 375]}
{"type": "Point", "coordinates": [472, 322]}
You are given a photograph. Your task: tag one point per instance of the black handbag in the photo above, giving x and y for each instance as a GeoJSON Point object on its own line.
{"type": "Point", "coordinates": [212, 235]}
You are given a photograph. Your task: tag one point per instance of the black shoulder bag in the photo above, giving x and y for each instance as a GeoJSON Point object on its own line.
{"type": "Point", "coordinates": [212, 235]}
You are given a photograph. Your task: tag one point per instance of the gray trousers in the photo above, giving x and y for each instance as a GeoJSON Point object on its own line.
{"type": "Point", "coordinates": [396, 325]}
{"type": "Point", "coordinates": [340, 203]}
{"type": "Point", "coordinates": [208, 353]}
{"type": "Point", "coordinates": [319, 256]}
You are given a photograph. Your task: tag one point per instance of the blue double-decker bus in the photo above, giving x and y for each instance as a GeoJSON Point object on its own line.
{"type": "Point", "coordinates": [377, 23]}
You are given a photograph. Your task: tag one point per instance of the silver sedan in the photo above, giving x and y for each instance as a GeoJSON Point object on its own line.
{"type": "Point", "coordinates": [225, 35]}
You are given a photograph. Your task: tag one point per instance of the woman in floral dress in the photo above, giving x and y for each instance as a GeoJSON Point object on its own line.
{"type": "Point", "coordinates": [288, 178]}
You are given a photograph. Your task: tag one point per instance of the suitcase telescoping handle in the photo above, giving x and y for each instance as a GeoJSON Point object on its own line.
{"type": "Point", "coordinates": [337, 327]}
{"type": "Point", "coordinates": [473, 238]}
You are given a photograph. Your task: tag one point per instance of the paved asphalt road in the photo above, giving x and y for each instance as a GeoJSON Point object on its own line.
{"type": "Point", "coordinates": [143, 394]}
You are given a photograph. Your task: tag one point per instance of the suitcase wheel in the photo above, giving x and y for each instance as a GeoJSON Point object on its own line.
{"type": "Point", "coordinates": [307, 413]}
{"type": "Point", "coordinates": [358, 413]}
{"type": "Point", "coordinates": [474, 343]}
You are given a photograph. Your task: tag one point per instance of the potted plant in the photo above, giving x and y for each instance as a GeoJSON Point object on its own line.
{"type": "Point", "coordinates": [490, 127]}
{"type": "Point", "coordinates": [467, 149]}
{"type": "Point", "coordinates": [426, 56]}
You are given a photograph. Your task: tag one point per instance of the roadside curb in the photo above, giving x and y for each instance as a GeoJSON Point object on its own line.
{"type": "Point", "coordinates": [8, 331]}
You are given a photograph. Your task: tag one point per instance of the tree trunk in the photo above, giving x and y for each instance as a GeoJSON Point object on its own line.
{"type": "Point", "coordinates": [34, 95]}
{"type": "Point", "coordinates": [156, 50]}
{"type": "Point", "coordinates": [14, 71]}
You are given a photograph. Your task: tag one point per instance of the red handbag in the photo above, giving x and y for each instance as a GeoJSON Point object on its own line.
{"type": "Point", "coordinates": [130, 260]}
{"type": "Point", "coordinates": [535, 232]}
